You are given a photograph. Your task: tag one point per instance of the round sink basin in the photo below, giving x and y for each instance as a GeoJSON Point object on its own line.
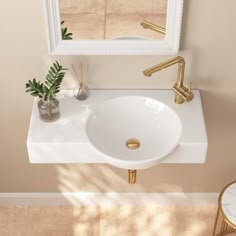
{"type": "Point", "coordinates": [130, 37]}
{"type": "Point", "coordinates": [134, 132]}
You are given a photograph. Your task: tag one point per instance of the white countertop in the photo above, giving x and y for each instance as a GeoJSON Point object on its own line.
{"type": "Point", "coordinates": [66, 141]}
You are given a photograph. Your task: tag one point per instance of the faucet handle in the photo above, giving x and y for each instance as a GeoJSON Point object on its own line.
{"type": "Point", "coordinates": [190, 94]}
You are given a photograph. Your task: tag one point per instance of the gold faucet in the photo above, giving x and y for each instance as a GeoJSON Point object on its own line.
{"type": "Point", "coordinates": [182, 93]}
{"type": "Point", "coordinates": [149, 25]}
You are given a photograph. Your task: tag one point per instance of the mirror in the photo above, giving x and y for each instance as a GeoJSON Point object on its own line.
{"type": "Point", "coordinates": [113, 27]}
{"type": "Point", "coordinates": [113, 19]}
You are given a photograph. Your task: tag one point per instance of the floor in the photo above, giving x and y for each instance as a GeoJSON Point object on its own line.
{"type": "Point", "coordinates": [107, 19]}
{"type": "Point", "coordinates": [107, 221]}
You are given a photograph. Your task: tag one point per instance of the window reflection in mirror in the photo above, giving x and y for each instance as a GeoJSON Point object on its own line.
{"type": "Point", "coordinates": [113, 19]}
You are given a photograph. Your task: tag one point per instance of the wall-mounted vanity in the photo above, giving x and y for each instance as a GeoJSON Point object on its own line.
{"type": "Point", "coordinates": [114, 27]}
{"type": "Point", "coordinates": [98, 130]}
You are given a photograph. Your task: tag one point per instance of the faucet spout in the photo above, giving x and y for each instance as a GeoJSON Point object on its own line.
{"type": "Point", "coordinates": [148, 72]}
{"type": "Point", "coordinates": [149, 25]}
{"type": "Point", "coordinates": [182, 93]}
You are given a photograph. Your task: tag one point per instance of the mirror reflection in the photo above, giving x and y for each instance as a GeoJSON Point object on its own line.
{"type": "Point", "coordinates": [113, 19]}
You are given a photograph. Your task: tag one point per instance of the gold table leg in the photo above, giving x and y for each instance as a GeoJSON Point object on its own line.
{"type": "Point", "coordinates": [225, 228]}
{"type": "Point", "coordinates": [216, 220]}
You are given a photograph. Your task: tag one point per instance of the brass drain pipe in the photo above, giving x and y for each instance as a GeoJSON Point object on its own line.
{"type": "Point", "coordinates": [132, 176]}
{"type": "Point", "coordinates": [132, 144]}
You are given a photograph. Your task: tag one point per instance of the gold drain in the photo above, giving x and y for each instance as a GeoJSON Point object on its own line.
{"type": "Point", "coordinates": [133, 143]}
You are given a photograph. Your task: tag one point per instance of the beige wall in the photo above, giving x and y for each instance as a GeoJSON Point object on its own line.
{"type": "Point", "coordinates": [209, 46]}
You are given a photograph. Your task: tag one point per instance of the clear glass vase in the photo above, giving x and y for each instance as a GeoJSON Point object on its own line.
{"type": "Point", "coordinates": [49, 110]}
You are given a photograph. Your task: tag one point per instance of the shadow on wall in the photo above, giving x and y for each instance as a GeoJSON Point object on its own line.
{"type": "Point", "coordinates": [112, 220]}
{"type": "Point", "coordinates": [91, 177]}
{"type": "Point", "coordinates": [128, 219]}
{"type": "Point", "coordinates": [94, 178]}
{"type": "Point", "coordinates": [165, 178]}
{"type": "Point", "coordinates": [122, 219]}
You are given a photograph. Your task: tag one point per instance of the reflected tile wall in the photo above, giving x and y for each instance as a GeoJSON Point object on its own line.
{"type": "Point", "coordinates": [82, 6]}
{"type": "Point", "coordinates": [127, 24]}
{"type": "Point", "coordinates": [131, 6]}
{"type": "Point", "coordinates": [85, 26]}
{"type": "Point", "coordinates": [107, 19]}
{"type": "Point", "coordinates": [160, 6]}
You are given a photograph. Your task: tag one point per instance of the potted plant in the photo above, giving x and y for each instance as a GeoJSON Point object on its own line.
{"type": "Point", "coordinates": [48, 105]}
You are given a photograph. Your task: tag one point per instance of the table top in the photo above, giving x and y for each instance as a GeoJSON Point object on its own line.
{"type": "Point", "coordinates": [228, 203]}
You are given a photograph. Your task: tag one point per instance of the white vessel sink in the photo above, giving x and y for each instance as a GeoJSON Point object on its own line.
{"type": "Point", "coordinates": [134, 132]}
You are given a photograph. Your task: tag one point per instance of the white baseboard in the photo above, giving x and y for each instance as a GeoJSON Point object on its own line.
{"type": "Point", "coordinates": [107, 199]}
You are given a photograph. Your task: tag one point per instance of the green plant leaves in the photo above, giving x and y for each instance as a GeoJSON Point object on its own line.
{"type": "Point", "coordinates": [51, 87]}
{"type": "Point", "coordinates": [35, 88]}
{"type": "Point", "coordinates": [65, 35]}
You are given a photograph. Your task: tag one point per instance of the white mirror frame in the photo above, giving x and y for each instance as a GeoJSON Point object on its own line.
{"type": "Point", "coordinates": [168, 46]}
